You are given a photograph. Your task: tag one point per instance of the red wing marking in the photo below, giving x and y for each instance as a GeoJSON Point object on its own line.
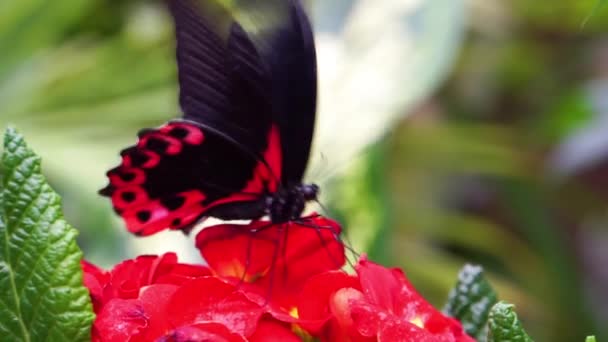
{"type": "Point", "coordinates": [160, 143]}
{"type": "Point", "coordinates": [144, 215]}
{"type": "Point", "coordinates": [152, 216]}
{"type": "Point", "coordinates": [170, 138]}
{"type": "Point", "coordinates": [266, 175]}
{"type": "Point", "coordinates": [126, 176]}
{"type": "Point", "coordinates": [129, 196]}
{"type": "Point", "coordinates": [145, 159]}
{"type": "Point", "coordinates": [273, 158]}
{"type": "Point", "coordinates": [185, 132]}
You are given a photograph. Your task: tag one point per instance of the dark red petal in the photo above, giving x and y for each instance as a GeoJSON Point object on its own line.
{"type": "Point", "coordinates": [367, 318]}
{"type": "Point", "coordinates": [277, 258]}
{"type": "Point", "coordinates": [403, 331]}
{"type": "Point", "coordinates": [334, 332]}
{"type": "Point", "coordinates": [312, 251]}
{"type": "Point", "coordinates": [342, 326]}
{"type": "Point", "coordinates": [129, 276]}
{"type": "Point", "coordinates": [391, 305]}
{"type": "Point", "coordinates": [160, 266]}
{"type": "Point", "coordinates": [232, 250]}
{"type": "Point", "coordinates": [95, 279]}
{"type": "Point", "coordinates": [340, 306]}
{"type": "Point", "coordinates": [181, 273]}
{"type": "Point", "coordinates": [155, 300]}
{"type": "Point", "coordinates": [399, 296]}
{"type": "Point", "coordinates": [209, 299]}
{"type": "Point", "coordinates": [446, 327]}
{"type": "Point", "coordinates": [273, 331]}
{"type": "Point", "coordinates": [315, 297]}
{"type": "Point", "coordinates": [202, 332]}
{"type": "Point", "coordinates": [120, 319]}
{"type": "Point", "coordinates": [381, 285]}
{"type": "Point", "coordinates": [230, 247]}
{"type": "Point", "coordinates": [99, 274]}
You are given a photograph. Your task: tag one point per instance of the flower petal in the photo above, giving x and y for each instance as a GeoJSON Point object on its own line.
{"type": "Point", "coordinates": [273, 331]}
{"type": "Point", "coordinates": [404, 331]}
{"type": "Point", "coordinates": [181, 273]}
{"type": "Point", "coordinates": [383, 286]}
{"type": "Point", "coordinates": [277, 258]}
{"type": "Point", "coordinates": [202, 332]}
{"type": "Point", "coordinates": [209, 299]}
{"type": "Point", "coordinates": [155, 300]}
{"type": "Point", "coordinates": [95, 279]}
{"type": "Point", "coordinates": [391, 306]}
{"type": "Point", "coordinates": [316, 296]}
{"type": "Point", "coordinates": [120, 319]}
{"type": "Point", "coordinates": [233, 250]}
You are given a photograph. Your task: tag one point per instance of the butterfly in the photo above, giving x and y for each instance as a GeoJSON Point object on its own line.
{"type": "Point", "coordinates": [248, 95]}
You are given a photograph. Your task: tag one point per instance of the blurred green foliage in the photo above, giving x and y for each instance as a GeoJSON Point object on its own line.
{"type": "Point", "coordinates": [79, 79]}
{"type": "Point", "coordinates": [468, 176]}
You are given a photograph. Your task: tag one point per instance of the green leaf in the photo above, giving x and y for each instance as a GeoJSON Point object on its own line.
{"type": "Point", "coordinates": [590, 339]}
{"type": "Point", "coordinates": [470, 301]}
{"type": "Point", "coordinates": [42, 297]}
{"type": "Point", "coordinates": [598, 6]}
{"type": "Point", "coordinates": [504, 325]}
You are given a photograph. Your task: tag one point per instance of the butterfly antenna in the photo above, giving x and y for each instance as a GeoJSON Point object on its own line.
{"type": "Point", "coordinates": [320, 167]}
{"type": "Point", "coordinates": [323, 207]}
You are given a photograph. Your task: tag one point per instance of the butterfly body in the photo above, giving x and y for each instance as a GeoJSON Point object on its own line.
{"type": "Point", "coordinates": [288, 204]}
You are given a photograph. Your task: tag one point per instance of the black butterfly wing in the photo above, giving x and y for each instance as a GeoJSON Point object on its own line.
{"type": "Point", "coordinates": [284, 83]}
{"type": "Point", "coordinates": [177, 173]}
{"type": "Point", "coordinates": [248, 101]}
{"type": "Point", "coordinates": [287, 49]}
{"type": "Point", "coordinates": [294, 79]}
{"type": "Point", "coordinates": [225, 149]}
{"type": "Point", "coordinates": [283, 38]}
{"type": "Point", "coordinates": [223, 81]}
{"type": "Point", "coordinates": [276, 57]}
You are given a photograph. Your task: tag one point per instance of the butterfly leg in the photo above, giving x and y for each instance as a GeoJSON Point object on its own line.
{"type": "Point", "coordinates": [318, 228]}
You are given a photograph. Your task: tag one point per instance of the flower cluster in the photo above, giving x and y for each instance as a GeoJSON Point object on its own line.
{"type": "Point", "coordinates": [262, 282]}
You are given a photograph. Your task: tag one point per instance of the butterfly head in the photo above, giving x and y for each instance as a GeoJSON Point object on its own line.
{"type": "Point", "coordinates": [309, 191]}
{"type": "Point", "coordinates": [287, 204]}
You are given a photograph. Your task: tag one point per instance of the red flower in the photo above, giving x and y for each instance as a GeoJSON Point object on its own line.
{"type": "Point", "coordinates": [264, 283]}
{"type": "Point", "coordinates": [124, 297]}
{"type": "Point", "coordinates": [202, 332]}
{"type": "Point", "coordinates": [95, 279]}
{"type": "Point", "coordinates": [129, 277]}
{"type": "Point", "coordinates": [204, 309]}
{"type": "Point", "coordinates": [379, 305]}
{"type": "Point", "coordinates": [273, 331]}
{"type": "Point", "coordinates": [210, 299]}
{"type": "Point", "coordinates": [156, 299]}
{"type": "Point", "coordinates": [275, 260]}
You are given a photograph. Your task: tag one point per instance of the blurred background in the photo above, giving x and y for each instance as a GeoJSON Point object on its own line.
{"type": "Point", "coordinates": [449, 131]}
